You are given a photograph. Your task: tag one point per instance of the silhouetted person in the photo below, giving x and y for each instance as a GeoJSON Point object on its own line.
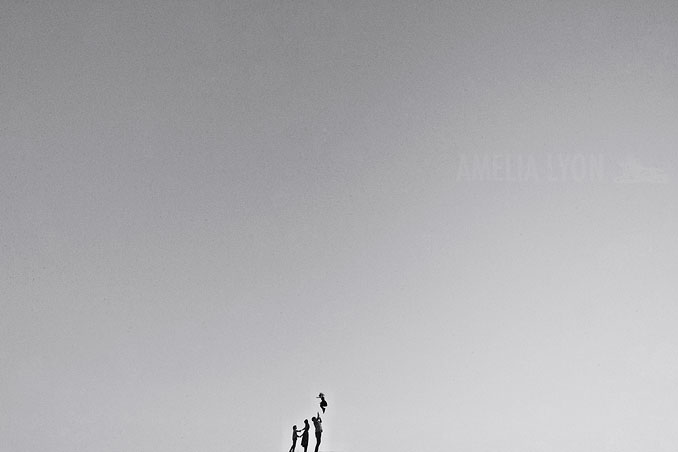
{"type": "Point", "coordinates": [317, 423]}
{"type": "Point", "coordinates": [295, 435]}
{"type": "Point", "coordinates": [323, 403]}
{"type": "Point", "coordinates": [304, 435]}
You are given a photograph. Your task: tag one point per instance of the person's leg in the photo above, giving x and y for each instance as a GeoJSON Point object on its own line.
{"type": "Point", "coordinates": [317, 441]}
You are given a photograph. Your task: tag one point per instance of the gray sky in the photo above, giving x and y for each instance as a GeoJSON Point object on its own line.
{"type": "Point", "coordinates": [214, 210]}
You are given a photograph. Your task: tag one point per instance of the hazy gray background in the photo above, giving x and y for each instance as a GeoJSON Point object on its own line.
{"type": "Point", "coordinates": [213, 210]}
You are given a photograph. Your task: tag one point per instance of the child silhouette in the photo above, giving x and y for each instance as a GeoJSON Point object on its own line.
{"type": "Point", "coordinates": [323, 403]}
{"type": "Point", "coordinates": [295, 435]}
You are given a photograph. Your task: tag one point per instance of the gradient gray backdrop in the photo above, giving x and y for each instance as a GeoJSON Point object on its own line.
{"type": "Point", "coordinates": [213, 210]}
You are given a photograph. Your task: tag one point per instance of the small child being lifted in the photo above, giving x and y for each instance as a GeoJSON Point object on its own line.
{"type": "Point", "coordinates": [323, 403]}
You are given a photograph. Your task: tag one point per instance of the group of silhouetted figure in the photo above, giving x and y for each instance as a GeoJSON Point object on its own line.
{"type": "Point", "coordinates": [317, 424]}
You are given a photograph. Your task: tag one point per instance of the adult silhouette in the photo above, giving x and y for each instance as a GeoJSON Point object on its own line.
{"type": "Point", "coordinates": [318, 424]}
{"type": "Point", "coordinates": [304, 435]}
